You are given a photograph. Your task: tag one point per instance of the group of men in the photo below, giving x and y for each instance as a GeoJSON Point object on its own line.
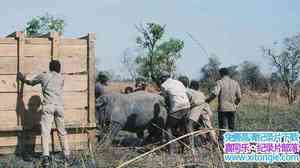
{"type": "Point", "coordinates": [188, 106]}
{"type": "Point", "coordinates": [185, 103]}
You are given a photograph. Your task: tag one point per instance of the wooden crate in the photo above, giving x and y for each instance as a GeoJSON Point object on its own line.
{"type": "Point", "coordinates": [20, 105]}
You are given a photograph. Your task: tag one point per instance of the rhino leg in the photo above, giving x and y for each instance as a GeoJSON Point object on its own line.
{"type": "Point", "coordinates": [156, 130]}
{"type": "Point", "coordinates": [115, 128]}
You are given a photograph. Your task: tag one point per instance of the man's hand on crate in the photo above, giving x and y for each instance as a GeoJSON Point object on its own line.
{"type": "Point", "coordinates": [20, 77]}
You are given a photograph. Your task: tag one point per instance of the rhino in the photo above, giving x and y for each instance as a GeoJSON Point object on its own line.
{"type": "Point", "coordinates": [134, 112]}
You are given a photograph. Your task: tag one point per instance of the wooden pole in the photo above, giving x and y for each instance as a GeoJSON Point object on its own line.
{"type": "Point", "coordinates": [20, 54]}
{"type": "Point", "coordinates": [54, 36]}
{"type": "Point", "coordinates": [91, 38]}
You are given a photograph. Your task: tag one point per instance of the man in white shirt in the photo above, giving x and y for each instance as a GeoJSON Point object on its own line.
{"type": "Point", "coordinates": [178, 105]}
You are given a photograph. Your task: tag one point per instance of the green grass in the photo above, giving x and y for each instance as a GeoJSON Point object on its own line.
{"type": "Point", "coordinates": [255, 116]}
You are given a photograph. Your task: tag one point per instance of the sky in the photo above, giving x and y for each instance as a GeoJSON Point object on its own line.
{"type": "Point", "coordinates": [234, 30]}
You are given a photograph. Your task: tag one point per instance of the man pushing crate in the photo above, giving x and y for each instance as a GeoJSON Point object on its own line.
{"type": "Point", "coordinates": [53, 107]}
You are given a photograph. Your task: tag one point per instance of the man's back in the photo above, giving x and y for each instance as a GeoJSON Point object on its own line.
{"type": "Point", "coordinates": [52, 87]}
{"type": "Point", "coordinates": [228, 91]}
{"type": "Point", "coordinates": [177, 94]}
{"type": "Point", "coordinates": [196, 97]}
{"type": "Point", "coordinates": [99, 89]}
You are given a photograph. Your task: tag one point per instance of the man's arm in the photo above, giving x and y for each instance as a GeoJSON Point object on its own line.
{"type": "Point", "coordinates": [165, 95]}
{"type": "Point", "coordinates": [238, 95]}
{"type": "Point", "coordinates": [36, 80]}
{"type": "Point", "coordinates": [214, 93]}
{"type": "Point", "coordinates": [211, 97]}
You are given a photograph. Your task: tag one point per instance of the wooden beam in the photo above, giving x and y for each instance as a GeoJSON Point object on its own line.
{"type": "Point", "coordinates": [38, 50]}
{"type": "Point", "coordinates": [8, 50]}
{"type": "Point", "coordinates": [8, 83]}
{"type": "Point", "coordinates": [72, 100]}
{"type": "Point", "coordinates": [71, 41]}
{"type": "Point", "coordinates": [37, 41]}
{"type": "Point", "coordinates": [91, 76]}
{"type": "Point", "coordinates": [8, 65]}
{"type": "Point", "coordinates": [8, 40]}
{"type": "Point", "coordinates": [54, 36]}
{"type": "Point", "coordinates": [20, 50]}
{"type": "Point", "coordinates": [72, 83]}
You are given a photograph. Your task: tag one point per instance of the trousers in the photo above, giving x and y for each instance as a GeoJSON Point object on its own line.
{"type": "Point", "coordinates": [54, 113]}
{"type": "Point", "coordinates": [226, 121]}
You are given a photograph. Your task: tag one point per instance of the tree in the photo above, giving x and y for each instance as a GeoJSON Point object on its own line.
{"type": "Point", "coordinates": [252, 77]}
{"type": "Point", "coordinates": [210, 72]}
{"type": "Point", "coordinates": [287, 63]}
{"type": "Point", "coordinates": [158, 55]}
{"type": "Point", "coordinates": [129, 63]}
{"type": "Point", "coordinates": [233, 72]}
{"type": "Point", "coordinates": [44, 24]}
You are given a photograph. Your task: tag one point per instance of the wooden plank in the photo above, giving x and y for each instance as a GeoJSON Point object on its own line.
{"type": "Point", "coordinates": [72, 100]}
{"type": "Point", "coordinates": [32, 117]}
{"type": "Point", "coordinates": [71, 83]}
{"type": "Point", "coordinates": [91, 76]}
{"type": "Point", "coordinates": [69, 41]}
{"type": "Point", "coordinates": [73, 64]}
{"type": "Point", "coordinates": [74, 116]}
{"type": "Point", "coordinates": [8, 41]}
{"type": "Point", "coordinates": [8, 119]}
{"type": "Point", "coordinates": [8, 50]}
{"type": "Point", "coordinates": [35, 65]}
{"type": "Point", "coordinates": [75, 83]}
{"type": "Point", "coordinates": [8, 141]}
{"type": "Point", "coordinates": [73, 50]}
{"type": "Point", "coordinates": [37, 41]}
{"type": "Point", "coordinates": [54, 45]}
{"type": "Point", "coordinates": [8, 83]}
{"type": "Point", "coordinates": [40, 50]}
{"type": "Point", "coordinates": [8, 101]}
{"type": "Point", "coordinates": [76, 141]}
{"type": "Point", "coordinates": [21, 42]}
{"type": "Point", "coordinates": [70, 64]}
{"type": "Point", "coordinates": [8, 65]}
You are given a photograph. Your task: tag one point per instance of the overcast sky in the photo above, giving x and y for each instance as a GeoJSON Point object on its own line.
{"type": "Point", "coordinates": [234, 30]}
